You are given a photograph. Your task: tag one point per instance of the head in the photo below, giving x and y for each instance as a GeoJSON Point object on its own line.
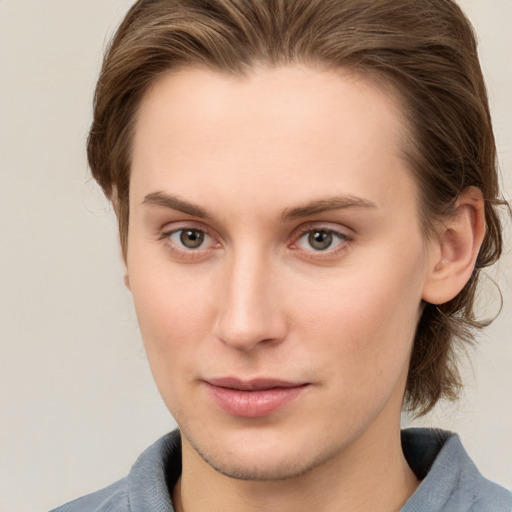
{"type": "Point", "coordinates": [423, 52]}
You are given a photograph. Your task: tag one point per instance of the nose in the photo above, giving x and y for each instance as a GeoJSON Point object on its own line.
{"type": "Point", "coordinates": [250, 311]}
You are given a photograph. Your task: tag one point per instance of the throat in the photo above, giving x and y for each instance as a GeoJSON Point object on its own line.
{"type": "Point", "coordinates": [327, 488]}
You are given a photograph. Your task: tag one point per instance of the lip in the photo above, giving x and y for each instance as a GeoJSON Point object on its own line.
{"type": "Point", "coordinates": [253, 398]}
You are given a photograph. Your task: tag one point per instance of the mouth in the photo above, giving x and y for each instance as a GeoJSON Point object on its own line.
{"type": "Point", "coordinates": [253, 398]}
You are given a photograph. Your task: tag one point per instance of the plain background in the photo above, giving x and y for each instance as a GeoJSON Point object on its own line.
{"type": "Point", "coordinates": [77, 402]}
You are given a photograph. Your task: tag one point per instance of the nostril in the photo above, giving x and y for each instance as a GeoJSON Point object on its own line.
{"type": "Point", "coordinates": [246, 335]}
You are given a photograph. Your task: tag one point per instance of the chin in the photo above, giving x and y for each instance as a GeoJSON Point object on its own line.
{"type": "Point", "coordinates": [257, 460]}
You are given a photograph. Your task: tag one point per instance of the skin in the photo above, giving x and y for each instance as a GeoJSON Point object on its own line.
{"type": "Point", "coordinates": [236, 160]}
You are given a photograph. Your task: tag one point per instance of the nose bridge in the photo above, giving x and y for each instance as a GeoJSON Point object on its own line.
{"type": "Point", "coordinates": [248, 311]}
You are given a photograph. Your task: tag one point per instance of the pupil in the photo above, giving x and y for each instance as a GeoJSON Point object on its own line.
{"type": "Point", "coordinates": [320, 240]}
{"type": "Point", "coordinates": [191, 239]}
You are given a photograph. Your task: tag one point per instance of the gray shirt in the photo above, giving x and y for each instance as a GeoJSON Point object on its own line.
{"type": "Point", "coordinates": [450, 480]}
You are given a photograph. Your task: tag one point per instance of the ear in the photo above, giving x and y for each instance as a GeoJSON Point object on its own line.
{"type": "Point", "coordinates": [114, 199]}
{"type": "Point", "coordinates": [453, 253]}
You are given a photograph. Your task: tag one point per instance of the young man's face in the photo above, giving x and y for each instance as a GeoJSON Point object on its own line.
{"type": "Point", "coordinates": [277, 264]}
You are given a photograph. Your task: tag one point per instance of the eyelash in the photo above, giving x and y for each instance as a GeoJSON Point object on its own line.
{"type": "Point", "coordinates": [342, 238]}
{"type": "Point", "coordinates": [186, 252]}
{"type": "Point", "coordinates": [338, 236]}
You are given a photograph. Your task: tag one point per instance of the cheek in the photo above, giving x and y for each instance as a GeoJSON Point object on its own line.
{"type": "Point", "coordinates": [364, 322]}
{"type": "Point", "coordinates": [170, 326]}
{"type": "Point", "coordinates": [361, 349]}
{"type": "Point", "coordinates": [175, 313]}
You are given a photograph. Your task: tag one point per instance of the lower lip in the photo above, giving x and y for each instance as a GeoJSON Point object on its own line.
{"type": "Point", "coordinates": [254, 404]}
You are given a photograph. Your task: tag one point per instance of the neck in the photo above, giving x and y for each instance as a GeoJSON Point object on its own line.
{"type": "Point", "coordinates": [371, 474]}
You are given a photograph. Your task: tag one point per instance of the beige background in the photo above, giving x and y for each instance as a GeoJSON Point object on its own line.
{"type": "Point", "coordinates": [77, 401]}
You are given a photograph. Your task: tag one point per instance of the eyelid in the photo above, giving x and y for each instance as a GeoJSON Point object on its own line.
{"type": "Point", "coordinates": [333, 227]}
{"type": "Point", "coordinates": [172, 227]}
{"type": "Point", "coordinates": [175, 227]}
{"type": "Point", "coordinates": [345, 236]}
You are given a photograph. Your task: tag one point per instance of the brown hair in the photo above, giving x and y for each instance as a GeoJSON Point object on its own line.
{"type": "Point", "coordinates": [425, 49]}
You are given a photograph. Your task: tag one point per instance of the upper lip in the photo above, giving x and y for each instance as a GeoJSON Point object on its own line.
{"type": "Point", "coordinates": [252, 384]}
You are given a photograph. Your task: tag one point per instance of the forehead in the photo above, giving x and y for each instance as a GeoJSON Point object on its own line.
{"type": "Point", "coordinates": [291, 128]}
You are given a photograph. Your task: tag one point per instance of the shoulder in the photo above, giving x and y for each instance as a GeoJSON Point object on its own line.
{"type": "Point", "coordinates": [113, 498]}
{"type": "Point", "coordinates": [148, 486]}
{"type": "Point", "coordinates": [450, 479]}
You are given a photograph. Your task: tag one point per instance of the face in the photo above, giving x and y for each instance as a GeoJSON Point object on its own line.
{"type": "Point", "coordinates": [276, 262]}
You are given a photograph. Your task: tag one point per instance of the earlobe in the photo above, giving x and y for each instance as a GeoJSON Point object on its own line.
{"type": "Point", "coordinates": [126, 280]}
{"type": "Point", "coordinates": [456, 248]}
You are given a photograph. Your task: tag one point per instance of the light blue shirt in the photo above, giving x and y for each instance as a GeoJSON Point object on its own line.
{"type": "Point", "coordinates": [450, 480]}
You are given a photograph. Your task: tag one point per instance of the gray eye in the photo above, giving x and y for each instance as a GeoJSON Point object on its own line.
{"type": "Point", "coordinates": [320, 240]}
{"type": "Point", "coordinates": [191, 238]}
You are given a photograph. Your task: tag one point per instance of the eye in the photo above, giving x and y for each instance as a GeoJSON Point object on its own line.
{"type": "Point", "coordinates": [321, 240]}
{"type": "Point", "coordinates": [189, 238]}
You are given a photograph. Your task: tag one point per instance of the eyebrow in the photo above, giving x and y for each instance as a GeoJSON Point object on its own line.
{"type": "Point", "coordinates": [312, 208]}
{"type": "Point", "coordinates": [325, 205]}
{"type": "Point", "coordinates": [175, 203]}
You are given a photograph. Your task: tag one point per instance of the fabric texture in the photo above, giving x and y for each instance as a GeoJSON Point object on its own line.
{"type": "Point", "coordinates": [450, 480]}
